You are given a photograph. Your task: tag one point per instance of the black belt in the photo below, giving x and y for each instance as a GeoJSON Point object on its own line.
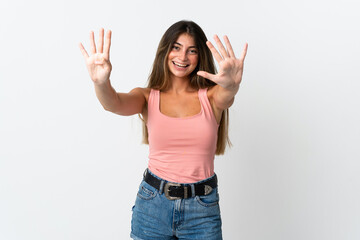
{"type": "Point", "coordinates": [174, 191]}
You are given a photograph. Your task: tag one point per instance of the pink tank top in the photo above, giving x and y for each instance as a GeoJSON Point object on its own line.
{"type": "Point", "coordinates": [181, 150]}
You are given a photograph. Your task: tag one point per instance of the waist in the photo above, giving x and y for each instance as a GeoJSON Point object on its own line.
{"type": "Point", "coordinates": [181, 170]}
{"type": "Point", "coordinates": [173, 190]}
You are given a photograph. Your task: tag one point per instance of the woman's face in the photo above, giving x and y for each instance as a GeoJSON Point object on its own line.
{"type": "Point", "coordinates": [183, 57]}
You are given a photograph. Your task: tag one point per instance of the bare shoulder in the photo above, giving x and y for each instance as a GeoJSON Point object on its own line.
{"type": "Point", "coordinates": [217, 111]}
{"type": "Point", "coordinates": [145, 92]}
{"type": "Point", "coordinates": [210, 91]}
{"type": "Point", "coordinates": [211, 94]}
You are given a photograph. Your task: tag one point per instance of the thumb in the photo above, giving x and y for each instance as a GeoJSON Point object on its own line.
{"type": "Point", "coordinates": [206, 75]}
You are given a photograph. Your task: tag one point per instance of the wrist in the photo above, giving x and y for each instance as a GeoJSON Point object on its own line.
{"type": "Point", "coordinates": [102, 83]}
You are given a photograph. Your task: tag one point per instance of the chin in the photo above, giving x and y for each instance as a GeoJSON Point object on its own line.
{"type": "Point", "coordinates": [181, 74]}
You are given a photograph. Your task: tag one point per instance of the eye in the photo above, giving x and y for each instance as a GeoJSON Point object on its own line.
{"type": "Point", "coordinates": [175, 47]}
{"type": "Point", "coordinates": [193, 51]}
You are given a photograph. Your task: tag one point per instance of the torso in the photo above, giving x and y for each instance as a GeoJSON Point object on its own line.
{"type": "Point", "coordinates": [188, 105]}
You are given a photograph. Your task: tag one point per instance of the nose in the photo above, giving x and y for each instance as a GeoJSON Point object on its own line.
{"type": "Point", "coordinates": [183, 55]}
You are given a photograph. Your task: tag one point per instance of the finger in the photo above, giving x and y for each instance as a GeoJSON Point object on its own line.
{"type": "Point", "coordinates": [83, 51]}
{"type": "Point", "coordinates": [221, 47]}
{"type": "Point", "coordinates": [214, 52]}
{"type": "Point", "coordinates": [207, 75]}
{"type": "Point", "coordinates": [107, 45]}
{"type": "Point", "coordinates": [92, 43]}
{"type": "Point", "coordinates": [100, 45]}
{"type": "Point", "coordinates": [243, 55]}
{"type": "Point", "coordinates": [229, 47]}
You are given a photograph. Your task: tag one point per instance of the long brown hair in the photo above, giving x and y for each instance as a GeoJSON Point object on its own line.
{"type": "Point", "coordinates": [159, 77]}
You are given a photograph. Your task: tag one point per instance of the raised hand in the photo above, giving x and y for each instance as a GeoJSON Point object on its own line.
{"type": "Point", "coordinates": [98, 63]}
{"type": "Point", "coordinates": [230, 68]}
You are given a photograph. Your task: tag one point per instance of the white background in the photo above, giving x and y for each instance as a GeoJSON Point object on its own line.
{"type": "Point", "coordinates": [70, 170]}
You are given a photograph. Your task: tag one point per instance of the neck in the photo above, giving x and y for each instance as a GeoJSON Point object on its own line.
{"type": "Point", "coordinates": [178, 85]}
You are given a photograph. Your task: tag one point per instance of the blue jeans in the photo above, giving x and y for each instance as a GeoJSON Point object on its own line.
{"type": "Point", "coordinates": [157, 218]}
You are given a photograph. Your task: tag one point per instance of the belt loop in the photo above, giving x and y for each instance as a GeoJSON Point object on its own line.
{"type": "Point", "coordinates": [145, 172]}
{"type": "Point", "coordinates": [161, 186]}
{"type": "Point", "coordinates": [192, 190]}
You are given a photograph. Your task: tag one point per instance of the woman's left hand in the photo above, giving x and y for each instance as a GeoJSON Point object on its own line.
{"type": "Point", "coordinates": [230, 67]}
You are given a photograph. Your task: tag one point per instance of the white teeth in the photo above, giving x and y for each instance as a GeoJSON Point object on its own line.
{"type": "Point", "coordinates": [179, 65]}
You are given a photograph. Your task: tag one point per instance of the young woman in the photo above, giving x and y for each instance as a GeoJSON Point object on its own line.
{"type": "Point", "coordinates": [184, 110]}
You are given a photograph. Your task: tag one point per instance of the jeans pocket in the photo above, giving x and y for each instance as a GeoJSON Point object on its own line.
{"type": "Point", "coordinates": [209, 200]}
{"type": "Point", "coordinates": [145, 192]}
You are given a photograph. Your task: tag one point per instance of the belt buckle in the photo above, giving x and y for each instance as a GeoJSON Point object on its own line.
{"type": "Point", "coordinates": [166, 190]}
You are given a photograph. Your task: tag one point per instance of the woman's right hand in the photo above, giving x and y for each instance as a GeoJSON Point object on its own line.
{"type": "Point", "coordinates": [98, 63]}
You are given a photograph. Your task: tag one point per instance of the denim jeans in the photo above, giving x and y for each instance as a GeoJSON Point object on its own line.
{"type": "Point", "coordinates": [155, 217]}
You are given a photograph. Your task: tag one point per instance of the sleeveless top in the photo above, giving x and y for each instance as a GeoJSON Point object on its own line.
{"type": "Point", "coordinates": [181, 150]}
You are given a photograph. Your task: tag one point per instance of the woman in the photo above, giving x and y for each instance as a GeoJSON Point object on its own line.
{"type": "Point", "coordinates": [185, 118]}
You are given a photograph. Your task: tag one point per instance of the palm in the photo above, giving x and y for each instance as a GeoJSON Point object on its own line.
{"type": "Point", "coordinates": [99, 67]}
{"type": "Point", "coordinates": [230, 73]}
{"type": "Point", "coordinates": [98, 63]}
{"type": "Point", "coordinates": [230, 68]}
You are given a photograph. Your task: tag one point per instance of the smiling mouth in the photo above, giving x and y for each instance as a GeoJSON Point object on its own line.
{"type": "Point", "coordinates": [180, 65]}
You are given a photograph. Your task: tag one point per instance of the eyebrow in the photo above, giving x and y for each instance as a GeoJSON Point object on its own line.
{"type": "Point", "coordinates": [181, 45]}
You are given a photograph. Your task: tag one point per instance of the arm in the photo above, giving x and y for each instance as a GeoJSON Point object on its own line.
{"type": "Point", "coordinates": [125, 104]}
{"type": "Point", "coordinates": [229, 77]}
{"type": "Point", "coordinates": [223, 98]}
{"type": "Point", "coordinates": [99, 68]}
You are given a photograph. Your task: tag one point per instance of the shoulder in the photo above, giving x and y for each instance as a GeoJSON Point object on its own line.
{"type": "Point", "coordinates": [211, 93]}
{"type": "Point", "coordinates": [217, 111]}
{"type": "Point", "coordinates": [145, 92]}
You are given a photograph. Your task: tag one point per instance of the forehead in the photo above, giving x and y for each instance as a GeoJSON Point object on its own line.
{"type": "Point", "coordinates": [186, 39]}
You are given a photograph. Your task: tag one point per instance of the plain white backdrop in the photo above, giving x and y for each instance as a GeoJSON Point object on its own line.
{"type": "Point", "coordinates": [69, 170]}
